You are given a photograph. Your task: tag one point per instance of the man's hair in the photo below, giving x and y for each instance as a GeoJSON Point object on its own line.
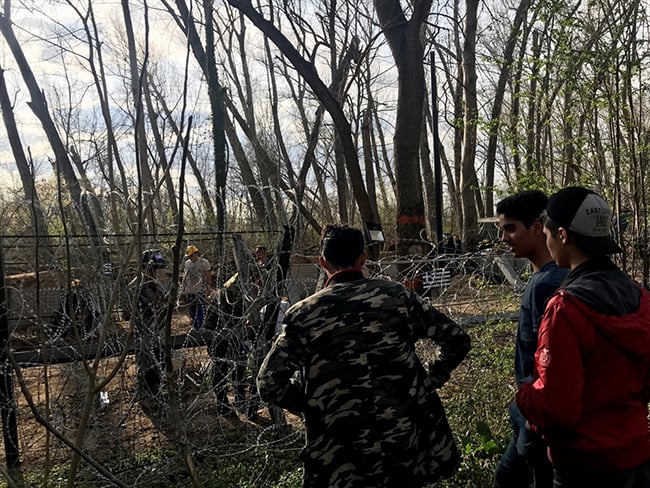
{"type": "Point", "coordinates": [551, 224]}
{"type": "Point", "coordinates": [260, 248]}
{"type": "Point", "coordinates": [341, 244]}
{"type": "Point", "coordinates": [526, 206]}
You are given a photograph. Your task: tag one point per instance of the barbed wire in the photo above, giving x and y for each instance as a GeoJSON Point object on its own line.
{"type": "Point", "coordinates": [60, 324]}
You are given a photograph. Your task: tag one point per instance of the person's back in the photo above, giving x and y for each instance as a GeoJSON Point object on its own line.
{"type": "Point", "coordinates": [610, 318]}
{"type": "Point", "coordinates": [364, 393]}
{"type": "Point", "coordinates": [590, 396]}
{"type": "Point", "coordinates": [359, 337]}
{"type": "Point", "coordinates": [148, 324]}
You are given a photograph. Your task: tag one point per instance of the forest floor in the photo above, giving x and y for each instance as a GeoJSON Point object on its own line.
{"type": "Point", "coordinates": [141, 443]}
{"type": "Point", "coordinates": [122, 430]}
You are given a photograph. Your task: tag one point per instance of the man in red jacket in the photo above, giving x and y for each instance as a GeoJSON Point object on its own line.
{"type": "Point", "coordinates": [589, 398]}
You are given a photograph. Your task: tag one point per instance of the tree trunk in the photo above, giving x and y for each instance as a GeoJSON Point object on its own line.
{"type": "Point", "coordinates": [468, 175]}
{"type": "Point", "coordinates": [497, 105]}
{"type": "Point", "coordinates": [532, 106]}
{"type": "Point", "coordinates": [142, 151]}
{"type": "Point", "coordinates": [428, 181]}
{"type": "Point", "coordinates": [160, 148]}
{"type": "Point", "coordinates": [215, 93]}
{"type": "Point", "coordinates": [405, 43]}
{"type": "Point", "coordinates": [23, 166]}
{"type": "Point", "coordinates": [458, 119]}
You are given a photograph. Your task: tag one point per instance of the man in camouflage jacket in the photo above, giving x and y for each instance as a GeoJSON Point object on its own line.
{"type": "Point", "coordinates": [346, 361]}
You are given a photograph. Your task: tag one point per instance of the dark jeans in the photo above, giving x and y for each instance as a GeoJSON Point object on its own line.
{"type": "Point", "coordinates": [525, 463]}
{"type": "Point", "coordinates": [197, 309]}
{"type": "Point", "coordinates": [638, 477]}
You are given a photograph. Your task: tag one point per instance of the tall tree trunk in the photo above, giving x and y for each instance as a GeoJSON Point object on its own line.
{"type": "Point", "coordinates": [366, 124]}
{"type": "Point", "coordinates": [160, 148]}
{"type": "Point", "coordinates": [532, 107]}
{"type": "Point", "coordinates": [215, 93]}
{"type": "Point", "coordinates": [468, 175]}
{"type": "Point", "coordinates": [366, 127]}
{"type": "Point", "coordinates": [513, 125]}
{"type": "Point", "coordinates": [142, 155]}
{"type": "Point", "coordinates": [404, 39]}
{"type": "Point", "coordinates": [342, 192]}
{"type": "Point", "coordinates": [428, 181]}
{"type": "Point", "coordinates": [248, 177]}
{"type": "Point", "coordinates": [458, 119]}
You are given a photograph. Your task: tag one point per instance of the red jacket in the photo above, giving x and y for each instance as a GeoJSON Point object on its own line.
{"type": "Point", "coordinates": [590, 396]}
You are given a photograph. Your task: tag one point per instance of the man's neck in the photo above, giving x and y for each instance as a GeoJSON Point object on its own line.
{"type": "Point", "coordinates": [577, 259]}
{"type": "Point", "coordinates": [540, 259]}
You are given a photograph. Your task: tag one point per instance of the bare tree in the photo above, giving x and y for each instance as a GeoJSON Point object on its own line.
{"type": "Point", "coordinates": [38, 105]}
{"type": "Point", "coordinates": [25, 169]}
{"type": "Point", "coordinates": [341, 123]}
{"type": "Point", "coordinates": [468, 181]}
{"type": "Point", "coordinates": [405, 40]}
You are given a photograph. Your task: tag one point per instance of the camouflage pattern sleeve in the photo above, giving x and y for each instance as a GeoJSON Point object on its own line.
{"type": "Point", "coordinates": [453, 341]}
{"type": "Point", "coordinates": [276, 381]}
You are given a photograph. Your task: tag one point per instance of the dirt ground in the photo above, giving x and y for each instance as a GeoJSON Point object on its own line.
{"type": "Point", "coordinates": [119, 427]}
{"type": "Point", "coordinates": [121, 431]}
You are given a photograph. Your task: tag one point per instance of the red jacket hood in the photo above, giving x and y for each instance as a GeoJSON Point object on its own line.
{"type": "Point", "coordinates": [632, 336]}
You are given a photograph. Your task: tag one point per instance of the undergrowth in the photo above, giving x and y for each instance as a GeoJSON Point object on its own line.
{"type": "Point", "coordinates": [476, 400]}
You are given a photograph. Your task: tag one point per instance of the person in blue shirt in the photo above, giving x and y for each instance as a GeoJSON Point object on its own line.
{"type": "Point", "coordinates": [525, 463]}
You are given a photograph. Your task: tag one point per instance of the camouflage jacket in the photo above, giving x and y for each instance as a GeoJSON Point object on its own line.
{"type": "Point", "coordinates": [346, 361]}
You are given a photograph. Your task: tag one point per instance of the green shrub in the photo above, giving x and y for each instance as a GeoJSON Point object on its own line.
{"type": "Point", "coordinates": [477, 399]}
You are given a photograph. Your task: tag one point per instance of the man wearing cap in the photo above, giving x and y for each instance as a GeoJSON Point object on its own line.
{"type": "Point", "coordinates": [196, 284]}
{"type": "Point", "coordinates": [346, 360]}
{"type": "Point", "coordinates": [589, 398]}
{"type": "Point", "coordinates": [525, 462]}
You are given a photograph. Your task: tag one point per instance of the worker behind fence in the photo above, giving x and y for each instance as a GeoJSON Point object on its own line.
{"type": "Point", "coordinates": [346, 360]}
{"type": "Point", "coordinates": [196, 285]}
{"type": "Point", "coordinates": [228, 350]}
{"type": "Point", "coordinates": [271, 318]}
{"type": "Point", "coordinates": [152, 303]}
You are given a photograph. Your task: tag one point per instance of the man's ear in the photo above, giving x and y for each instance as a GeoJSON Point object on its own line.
{"type": "Point", "coordinates": [537, 227]}
{"type": "Point", "coordinates": [360, 260]}
{"type": "Point", "coordinates": [325, 265]}
{"type": "Point", "coordinates": [563, 235]}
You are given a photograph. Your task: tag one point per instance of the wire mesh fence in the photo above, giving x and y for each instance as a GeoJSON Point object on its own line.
{"type": "Point", "coordinates": [74, 346]}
